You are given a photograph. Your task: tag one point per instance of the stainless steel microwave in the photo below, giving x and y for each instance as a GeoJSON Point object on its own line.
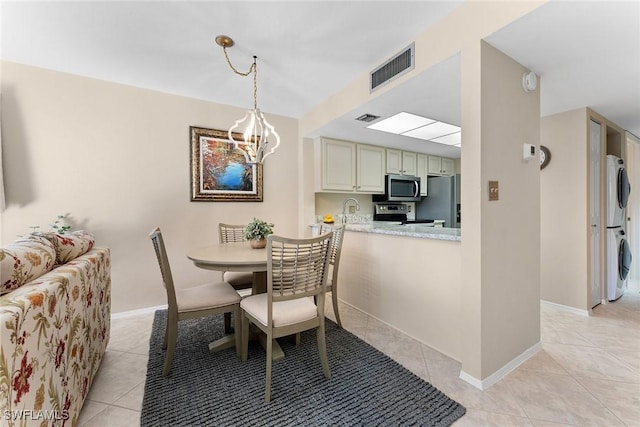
{"type": "Point", "coordinates": [399, 188]}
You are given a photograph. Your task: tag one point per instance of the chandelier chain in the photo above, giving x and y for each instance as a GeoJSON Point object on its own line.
{"type": "Point", "coordinates": [252, 69]}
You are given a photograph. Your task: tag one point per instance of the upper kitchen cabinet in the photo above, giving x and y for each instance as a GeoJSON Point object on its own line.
{"type": "Point", "coordinates": [350, 167]}
{"type": "Point", "coordinates": [370, 162]}
{"type": "Point", "coordinates": [441, 166]}
{"type": "Point", "coordinates": [401, 162]}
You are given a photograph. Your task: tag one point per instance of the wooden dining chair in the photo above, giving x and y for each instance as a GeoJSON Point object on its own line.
{"type": "Point", "coordinates": [192, 303]}
{"type": "Point", "coordinates": [235, 233]}
{"type": "Point", "coordinates": [238, 279]}
{"type": "Point", "coordinates": [296, 273]}
{"type": "Point", "coordinates": [334, 263]}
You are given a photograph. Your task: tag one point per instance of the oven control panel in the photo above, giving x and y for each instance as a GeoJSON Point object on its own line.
{"type": "Point", "coordinates": [391, 208]}
{"type": "Point", "coordinates": [390, 211]}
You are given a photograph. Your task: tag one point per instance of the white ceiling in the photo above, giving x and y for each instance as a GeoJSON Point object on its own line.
{"type": "Point", "coordinates": [586, 53]}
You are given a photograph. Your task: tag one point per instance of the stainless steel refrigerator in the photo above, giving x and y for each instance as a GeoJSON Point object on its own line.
{"type": "Point", "coordinates": [442, 201]}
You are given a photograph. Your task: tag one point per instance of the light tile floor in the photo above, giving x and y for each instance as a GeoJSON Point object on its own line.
{"type": "Point", "coordinates": [588, 373]}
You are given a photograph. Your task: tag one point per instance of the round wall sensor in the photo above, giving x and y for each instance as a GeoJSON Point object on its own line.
{"type": "Point", "coordinates": [529, 81]}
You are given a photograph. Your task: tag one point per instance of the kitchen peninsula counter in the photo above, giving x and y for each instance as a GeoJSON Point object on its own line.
{"type": "Point", "coordinates": [421, 231]}
{"type": "Point", "coordinates": [407, 276]}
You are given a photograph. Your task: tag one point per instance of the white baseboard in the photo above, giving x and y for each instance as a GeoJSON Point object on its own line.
{"type": "Point", "coordinates": [502, 372]}
{"type": "Point", "coordinates": [566, 308]}
{"type": "Point", "coordinates": [131, 313]}
{"type": "Point", "coordinates": [430, 345]}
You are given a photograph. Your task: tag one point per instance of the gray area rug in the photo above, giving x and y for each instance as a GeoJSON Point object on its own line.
{"type": "Point", "coordinates": [366, 388]}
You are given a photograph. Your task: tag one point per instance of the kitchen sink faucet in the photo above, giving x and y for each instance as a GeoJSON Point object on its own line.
{"type": "Point", "coordinates": [344, 208]}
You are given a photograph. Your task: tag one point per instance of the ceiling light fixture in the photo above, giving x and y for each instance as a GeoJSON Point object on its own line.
{"type": "Point", "coordinates": [420, 127]}
{"type": "Point", "coordinates": [452, 139]}
{"type": "Point", "coordinates": [259, 137]}
{"type": "Point", "coordinates": [401, 123]}
{"type": "Point", "coordinates": [432, 131]}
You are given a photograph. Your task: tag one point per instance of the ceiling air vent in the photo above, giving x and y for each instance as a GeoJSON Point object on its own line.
{"type": "Point", "coordinates": [367, 117]}
{"type": "Point", "coordinates": [401, 63]}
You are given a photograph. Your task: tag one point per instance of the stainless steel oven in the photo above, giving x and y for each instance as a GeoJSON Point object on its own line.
{"type": "Point", "coordinates": [390, 212]}
{"type": "Point", "coordinates": [399, 188]}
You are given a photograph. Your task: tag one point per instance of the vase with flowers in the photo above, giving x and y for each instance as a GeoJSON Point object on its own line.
{"type": "Point", "coordinates": [256, 233]}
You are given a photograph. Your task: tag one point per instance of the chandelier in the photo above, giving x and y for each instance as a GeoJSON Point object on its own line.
{"type": "Point", "coordinates": [259, 137]}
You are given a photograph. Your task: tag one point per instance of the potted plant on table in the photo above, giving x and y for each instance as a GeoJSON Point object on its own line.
{"type": "Point", "coordinates": [256, 233]}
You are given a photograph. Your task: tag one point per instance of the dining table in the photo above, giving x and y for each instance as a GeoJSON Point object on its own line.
{"type": "Point", "coordinates": [236, 256]}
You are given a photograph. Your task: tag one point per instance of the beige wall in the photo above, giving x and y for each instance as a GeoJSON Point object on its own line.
{"type": "Point", "coordinates": [116, 158]}
{"type": "Point", "coordinates": [565, 200]}
{"type": "Point", "coordinates": [564, 263]}
{"type": "Point", "coordinates": [412, 284]}
{"type": "Point", "coordinates": [500, 246]}
{"type": "Point", "coordinates": [510, 227]}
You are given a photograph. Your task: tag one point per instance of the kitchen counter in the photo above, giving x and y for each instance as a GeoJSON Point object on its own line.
{"type": "Point", "coordinates": [407, 276]}
{"type": "Point", "coordinates": [421, 231]}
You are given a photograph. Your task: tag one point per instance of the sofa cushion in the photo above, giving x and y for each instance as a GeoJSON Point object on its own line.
{"type": "Point", "coordinates": [24, 260]}
{"type": "Point", "coordinates": [70, 246]}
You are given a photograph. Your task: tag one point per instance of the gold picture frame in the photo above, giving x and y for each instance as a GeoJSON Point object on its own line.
{"type": "Point", "coordinates": [219, 171]}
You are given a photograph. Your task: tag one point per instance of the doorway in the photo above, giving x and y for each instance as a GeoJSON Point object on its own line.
{"type": "Point", "coordinates": [595, 209]}
{"type": "Point", "coordinates": [633, 210]}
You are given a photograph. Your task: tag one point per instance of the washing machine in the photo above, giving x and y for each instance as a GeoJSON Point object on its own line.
{"type": "Point", "coordinates": [618, 189]}
{"type": "Point", "coordinates": [619, 262]}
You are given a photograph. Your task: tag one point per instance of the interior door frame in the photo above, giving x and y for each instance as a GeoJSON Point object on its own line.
{"type": "Point", "coordinates": [597, 202]}
{"type": "Point", "coordinates": [632, 224]}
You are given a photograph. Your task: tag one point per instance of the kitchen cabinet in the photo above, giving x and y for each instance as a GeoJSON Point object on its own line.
{"type": "Point", "coordinates": [351, 167]}
{"type": "Point", "coordinates": [440, 166]}
{"type": "Point", "coordinates": [401, 162]}
{"type": "Point", "coordinates": [448, 166]}
{"type": "Point", "coordinates": [369, 168]}
{"type": "Point", "coordinates": [422, 170]}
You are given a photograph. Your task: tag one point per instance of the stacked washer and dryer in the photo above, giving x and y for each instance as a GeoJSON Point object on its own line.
{"type": "Point", "coordinates": [618, 252]}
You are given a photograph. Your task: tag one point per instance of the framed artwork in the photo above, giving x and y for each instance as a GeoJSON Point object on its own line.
{"type": "Point", "coordinates": [219, 171]}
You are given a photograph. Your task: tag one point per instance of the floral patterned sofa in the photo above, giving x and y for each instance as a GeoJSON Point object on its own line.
{"type": "Point", "coordinates": [55, 307]}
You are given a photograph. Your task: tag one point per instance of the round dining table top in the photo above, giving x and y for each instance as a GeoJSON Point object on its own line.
{"type": "Point", "coordinates": [232, 256]}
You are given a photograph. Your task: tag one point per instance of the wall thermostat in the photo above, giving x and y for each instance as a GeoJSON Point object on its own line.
{"type": "Point", "coordinates": [528, 151]}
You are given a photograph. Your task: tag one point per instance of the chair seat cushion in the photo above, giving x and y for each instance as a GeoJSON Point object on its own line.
{"type": "Point", "coordinates": [284, 312]}
{"type": "Point", "coordinates": [210, 295]}
{"type": "Point", "coordinates": [238, 278]}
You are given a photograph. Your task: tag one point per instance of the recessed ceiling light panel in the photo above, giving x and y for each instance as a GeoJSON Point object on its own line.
{"type": "Point", "coordinates": [451, 139]}
{"type": "Point", "coordinates": [401, 123]}
{"type": "Point", "coordinates": [432, 131]}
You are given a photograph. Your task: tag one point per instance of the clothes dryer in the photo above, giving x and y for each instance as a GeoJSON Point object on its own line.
{"type": "Point", "coordinates": [618, 189]}
{"type": "Point", "coordinates": [619, 262]}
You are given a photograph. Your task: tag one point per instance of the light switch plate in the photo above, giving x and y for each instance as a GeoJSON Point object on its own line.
{"type": "Point", "coordinates": [352, 209]}
{"type": "Point", "coordinates": [494, 191]}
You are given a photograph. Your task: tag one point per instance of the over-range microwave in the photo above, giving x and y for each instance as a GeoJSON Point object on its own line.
{"type": "Point", "coordinates": [399, 188]}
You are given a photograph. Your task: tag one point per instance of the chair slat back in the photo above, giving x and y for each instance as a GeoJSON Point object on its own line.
{"type": "Point", "coordinates": [231, 233]}
{"type": "Point", "coordinates": [336, 242]}
{"type": "Point", "coordinates": [297, 268]}
{"type": "Point", "coordinates": [165, 269]}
